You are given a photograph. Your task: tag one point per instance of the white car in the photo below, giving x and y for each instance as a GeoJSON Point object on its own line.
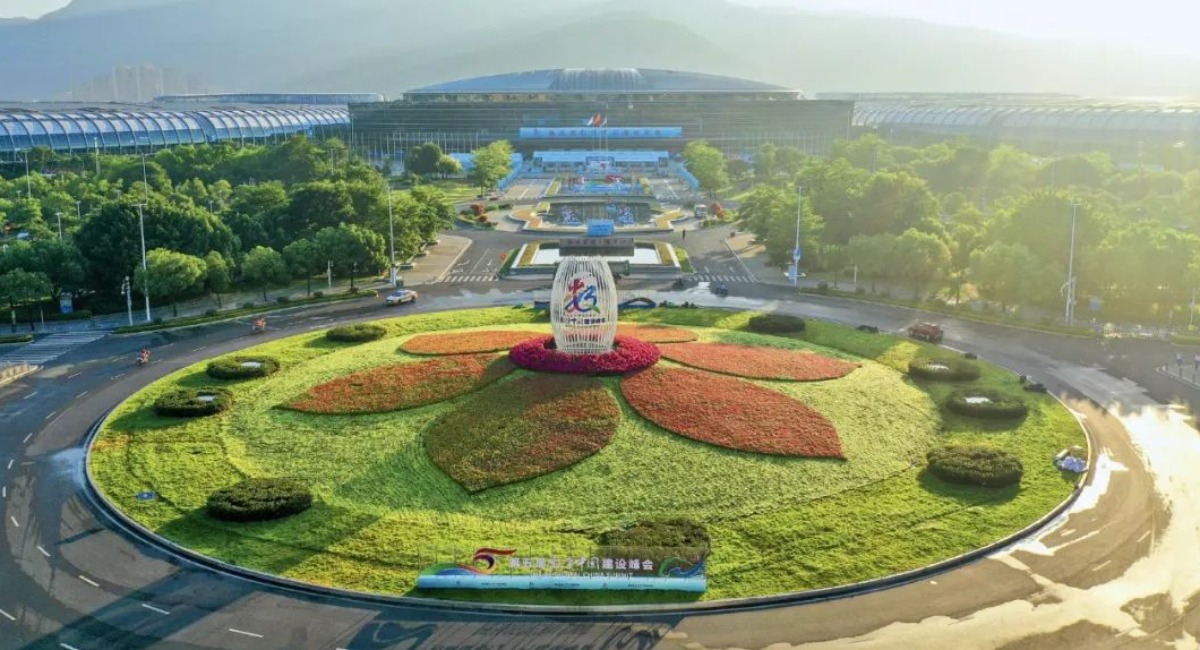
{"type": "Point", "coordinates": [401, 296]}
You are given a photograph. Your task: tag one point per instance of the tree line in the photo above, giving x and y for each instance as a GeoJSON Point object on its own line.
{"type": "Point", "coordinates": [217, 217]}
{"type": "Point", "coordinates": [964, 221]}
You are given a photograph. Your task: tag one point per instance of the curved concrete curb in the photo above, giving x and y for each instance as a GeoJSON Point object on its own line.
{"type": "Point", "coordinates": [814, 595]}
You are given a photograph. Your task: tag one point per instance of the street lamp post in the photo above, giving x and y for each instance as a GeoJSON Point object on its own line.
{"type": "Point", "coordinates": [391, 233]}
{"type": "Point", "coordinates": [795, 270]}
{"type": "Point", "coordinates": [28, 178]}
{"type": "Point", "coordinates": [127, 289]}
{"type": "Point", "coordinates": [145, 269]}
{"type": "Point", "coordinates": [59, 215]}
{"type": "Point", "coordinates": [1070, 286]}
{"type": "Point", "coordinates": [96, 144]}
{"type": "Point", "coordinates": [145, 182]}
{"type": "Point", "coordinates": [79, 213]}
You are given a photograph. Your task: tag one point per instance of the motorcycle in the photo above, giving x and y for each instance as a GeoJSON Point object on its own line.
{"type": "Point", "coordinates": [721, 290]}
{"type": "Point", "coordinates": [143, 358]}
{"type": "Point", "coordinates": [259, 326]}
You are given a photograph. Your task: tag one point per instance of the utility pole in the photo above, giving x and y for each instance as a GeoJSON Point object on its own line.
{"type": "Point", "coordinates": [145, 269]}
{"type": "Point", "coordinates": [1070, 287]}
{"type": "Point", "coordinates": [795, 270]}
{"type": "Point", "coordinates": [391, 232]}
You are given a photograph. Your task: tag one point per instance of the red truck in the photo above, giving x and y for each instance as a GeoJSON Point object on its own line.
{"type": "Point", "coordinates": [926, 332]}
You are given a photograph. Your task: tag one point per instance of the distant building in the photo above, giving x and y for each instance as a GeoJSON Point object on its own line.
{"type": "Point", "coordinates": [137, 84]}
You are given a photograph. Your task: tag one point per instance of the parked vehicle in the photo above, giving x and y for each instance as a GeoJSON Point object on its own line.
{"type": "Point", "coordinates": [400, 296]}
{"type": "Point", "coordinates": [930, 332]}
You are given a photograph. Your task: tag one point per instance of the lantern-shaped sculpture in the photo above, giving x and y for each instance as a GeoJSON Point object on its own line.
{"type": "Point", "coordinates": [583, 306]}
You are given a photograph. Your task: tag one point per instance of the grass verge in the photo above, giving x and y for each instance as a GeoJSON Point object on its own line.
{"type": "Point", "coordinates": [243, 311]}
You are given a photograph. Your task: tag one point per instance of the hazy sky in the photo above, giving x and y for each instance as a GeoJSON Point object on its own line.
{"type": "Point", "coordinates": [1153, 25]}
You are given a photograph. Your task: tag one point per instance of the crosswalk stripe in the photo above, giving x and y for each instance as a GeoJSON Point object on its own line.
{"type": "Point", "coordinates": [50, 348]}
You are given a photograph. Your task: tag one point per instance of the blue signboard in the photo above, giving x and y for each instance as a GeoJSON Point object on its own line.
{"type": "Point", "coordinates": [613, 133]}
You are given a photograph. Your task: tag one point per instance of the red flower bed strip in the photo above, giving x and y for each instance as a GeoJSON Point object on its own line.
{"type": "Point", "coordinates": [392, 388]}
{"type": "Point", "coordinates": [758, 362]}
{"type": "Point", "coordinates": [730, 413]}
{"type": "Point", "coordinates": [465, 342]}
{"type": "Point", "coordinates": [628, 355]}
{"type": "Point", "coordinates": [656, 333]}
{"type": "Point", "coordinates": [521, 429]}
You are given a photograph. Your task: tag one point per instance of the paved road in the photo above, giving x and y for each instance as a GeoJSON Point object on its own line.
{"type": "Point", "coordinates": [1119, 571]}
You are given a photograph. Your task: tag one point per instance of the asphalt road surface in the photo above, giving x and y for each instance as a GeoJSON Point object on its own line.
{"type": "Point", "coordinates": [1118, 571]}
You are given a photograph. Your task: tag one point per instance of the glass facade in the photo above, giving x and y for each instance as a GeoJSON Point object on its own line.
{"type": "Point", "coordinates": [124, 131]}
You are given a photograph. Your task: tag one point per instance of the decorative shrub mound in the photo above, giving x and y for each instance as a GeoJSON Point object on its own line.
{"type": "Point", "coordinates": [975, 465]}
{"type": "Point", "coordinates": [242, 367]}
{"type": "Point", "coordinates": [730, 413]}
{"type": "Point", "coordinates": [986, 404]}
{"type": "Point", "coordinates": [758, 362]}
{"type": "Point", "coordinates": [259, 499]}
{"type": "Point", "coordinates": [466, 342]}
{"type": "Point", "coordinates": [944, 369]}
{"type": "Point", "coordinates": [775, 324]}
{"type": "Point", "coordinates": [534, 425]}
{"type": "Point", "coordinates": [356, 333]}
{"type": "Point", "coordinates": [404, 386]}
{"type": "Point", "coordinates": [673, 533]}
{"type": "Point", "coordinates": [657, 333]}
{"type": "Point", "coordinates": [628, 355]}
{"type": "Point", "coordinates": [193, 402]}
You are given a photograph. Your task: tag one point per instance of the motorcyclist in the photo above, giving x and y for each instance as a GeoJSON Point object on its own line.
{"type": "Point", "coordinates": [260, 325]}
{"type": "Point", "coordinates": [143, 356]}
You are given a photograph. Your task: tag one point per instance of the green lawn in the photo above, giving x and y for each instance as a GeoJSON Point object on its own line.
{"type": "Point", "coordinates": [457, 190]}
{"type": "Point", "coordinates": [383, 511]}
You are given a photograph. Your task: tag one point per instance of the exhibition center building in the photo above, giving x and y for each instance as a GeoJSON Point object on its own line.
{"type": "Point", "coordinates": [625, 108]}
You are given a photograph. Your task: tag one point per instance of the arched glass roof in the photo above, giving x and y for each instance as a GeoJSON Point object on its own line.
{"type": "Point", "coordinates": [84, 129]}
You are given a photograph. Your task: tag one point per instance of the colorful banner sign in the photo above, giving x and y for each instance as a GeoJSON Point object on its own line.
{"type": "Point", "coordinates": [646, 569]}
{"type": "Point", "coordinates": [609, 132]}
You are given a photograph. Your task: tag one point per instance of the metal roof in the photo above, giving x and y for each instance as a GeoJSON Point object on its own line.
{"type": "Point", "coordinates": [601, 80]}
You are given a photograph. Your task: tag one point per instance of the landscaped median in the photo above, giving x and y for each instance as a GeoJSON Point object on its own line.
{"type": "Point", "coordinates": [815, 477]}
{"type": "Point", "coordinates": [244, 311]}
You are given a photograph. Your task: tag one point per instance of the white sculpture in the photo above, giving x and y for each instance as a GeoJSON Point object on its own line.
{"type": "Point", "coordinates": [583, 306]}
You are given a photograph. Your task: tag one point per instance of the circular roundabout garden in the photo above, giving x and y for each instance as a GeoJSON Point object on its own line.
{"type": "Point", "coordinates": [811, 456]}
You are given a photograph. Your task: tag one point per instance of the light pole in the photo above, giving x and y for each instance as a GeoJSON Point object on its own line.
{"type": "Point", "coordinates": [96, 144]}
{"type": "Point", "coordinates": [1070, 286]}
{"type": "Point", "coordinates": [145, 182]}
{"type": "Point", "coordinates": [79, 213]}
{"type": "Point", "coordinates": [127, 288]}
{"type": "Point", "coordinates": [391, 234]}
{"type": "Point", "coordinates": [795, 270]}
{"type": "Point", "coordinates": [59, 215]}
{"type": "Point", "coordinates": [145, 269]}
{"type": "Point", "coordinates": [28, 178]}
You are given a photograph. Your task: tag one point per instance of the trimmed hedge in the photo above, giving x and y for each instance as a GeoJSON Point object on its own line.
{"type": "Point", "coordinates": [356, 333]}
{"type": "Point", "coordinates": [944, 369]}
{"type": "Point", "coordinates": [236, 368]}
{"type": "Point", "coordinates": [15, 338]}
{"type": "Point", "coordinates": [997, 407]}
{"type": "Point", "coordinates": [193, 402]}
{"type": "Point", "coordinates": [980, 465]}
{"type": "Point", "coordinates": [259, 499]}
{"type": "Point", "coordinates": [671, 533]}
{"type": "Point", "coordinates": [775, 324]}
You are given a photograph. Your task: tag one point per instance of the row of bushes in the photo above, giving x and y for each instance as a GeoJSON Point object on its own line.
{"type": "Point", "coordinates": [242, 367]}
{"type": "Point", "coordinates": [356, 333]}
{"type": "Point", "coordinates": [15, 338]}
{"type": "Point", "coordinates": [986, 404]}
{"type": "Point", "coordinates": [193, 402]}
{"type": "Point", "coordinates": [671, 533]}
{"type": "Point", "coordinates": [979, 465]}
{"type": "Point", "coordinates": [775, 324]}
{"type": "Point", "coordinates": [259, 499]}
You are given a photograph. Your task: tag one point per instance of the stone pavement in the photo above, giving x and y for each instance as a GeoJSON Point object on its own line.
{"type": "Point", "coordinates": [438, 261]}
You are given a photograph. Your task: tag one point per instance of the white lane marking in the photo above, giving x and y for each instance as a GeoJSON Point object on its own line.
{"type": "Point", "coordinates": [43, 551]}
{"type": "Point", "coordinates": [67, 647]}
{"type": "Point", "coordinates": [14, 520]}
{"type": "Point", "coordinates": [74, 375]}
{"type": "Point", "coordinates": [155, 609]}
{"type": "Point", "coordinates": [89, 581]}
{"type": "Point", "coordinates": [119, 376]}
{"type": "Point", "coordinates": [1143, 537]}
{"type": "Point", "coordinates": [52, 414]}
{"type": "Point", "coordinates": [4, 492]}
{"type": "Point", "coordinates": [236, 631]}
{"type": "Point", "coordinates": [10, 463]}
{"type": "Point", "coordinates": [81, 394]}
{"type": "Point", "coordinates": [31, 395]}
{"type": "Point", "coordinates": [7, 615]}
{"type": "Point", "coordinates": [1102, 565]}
{"type": "Point", "coordinates": [27, 437]}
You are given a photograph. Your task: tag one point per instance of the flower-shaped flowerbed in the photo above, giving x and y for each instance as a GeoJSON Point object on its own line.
{"type": "Point", "coordinates": [656, 333]}
{"type": "Point", "coordinates": [391, 388]}
{"type": "Point", "coordinates": [757, 362]}
{"type": "Point", "coordinates": [628, 354]}
{"type": "Point", "coordinates": [731, 413]}
{"type": "Point", "coordinates": [542, 424]}
{"type": "Point", "coordinates": [466, 342]}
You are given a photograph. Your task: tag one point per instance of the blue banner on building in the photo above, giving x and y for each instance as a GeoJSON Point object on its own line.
{"type": "Point", "coordinates": [614, 133]}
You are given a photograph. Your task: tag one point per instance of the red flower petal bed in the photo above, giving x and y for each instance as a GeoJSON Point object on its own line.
{"type": "Point", "coordinates": [465, 342]}
{"type": "Point", "coordinates": [758, 362]}
{"type": "Point", "coordinates": [533, 425]}
{"type": "Point", "coordinates": [656, 333]}
{"type": "Point", "coordinates": [730, 413]}
{"type": "Point", "coordinates": [628, 355]}
{"type": "Point", "coordinates": [392, 388]}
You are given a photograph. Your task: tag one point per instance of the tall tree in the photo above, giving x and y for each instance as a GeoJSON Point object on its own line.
{"type": "Point", "coordinates": [423, 159]}
{"type": "Point", "coordinates": [169, 275]}
{"type": "Point", "coordinates": [491, 164]}
{"type": "Point", "coordinates": [920, 257]}
{"type": "Point", "coordinates": [765, 162]}
{"type": "Point", "coordinates": [19, 287]}
{"type": "Point", "coordinates": [707, 164]}
{"type": "Point", "coordinates": [218, 277]}
{"type": "Point", "coordinates": [264, 268]}
{"type": "Point", "coordinates": [304, 260]}
{"type": "Point", "coordinates": [1005, 273]}
{"type": "Point", "coordinates": [872, 254]}
{"type": "Point", "coordinates": [353, 250]}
